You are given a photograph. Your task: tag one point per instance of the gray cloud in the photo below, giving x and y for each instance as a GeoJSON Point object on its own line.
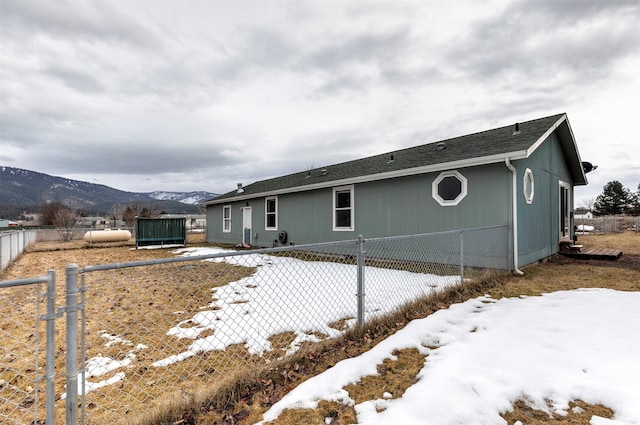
{"type": "Point", "coordinates": [220, 92]}
{"type": "Point", "coordinates": [76, 79]}
{"type": "Point", "coordinates": [142, 158]}
{"type": "Point", "coordinates": [568, 42]}
{"type": "Point", "coordinates": [260, 49]}
{"type": "Point", "coordinates": [373, 48]}
{"type": "Point", "coordinates": [72, 19]}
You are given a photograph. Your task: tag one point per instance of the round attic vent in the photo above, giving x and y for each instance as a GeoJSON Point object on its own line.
{"type": "Point", "coordinates": [441, 146]}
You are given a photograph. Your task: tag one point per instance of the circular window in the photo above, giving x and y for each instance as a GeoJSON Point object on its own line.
{"type": "Point", "coordinates": [449, 188]}
{"type": "Point", "coordinates": [528, 189]}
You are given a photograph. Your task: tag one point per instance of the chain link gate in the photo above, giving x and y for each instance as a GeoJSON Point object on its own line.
{"type": "Point", "coordinates": [27, 374]}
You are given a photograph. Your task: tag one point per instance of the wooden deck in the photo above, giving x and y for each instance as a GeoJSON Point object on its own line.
{"type": "Point", "coordinates": [576, 251]}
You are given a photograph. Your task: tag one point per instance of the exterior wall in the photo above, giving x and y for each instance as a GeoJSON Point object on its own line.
{"type": "Point", "coordinates": [405, 205]}
{"type": "Point", "coordinates": [399, 206]}
{"type": "Point", "coordinates": [539, 222]}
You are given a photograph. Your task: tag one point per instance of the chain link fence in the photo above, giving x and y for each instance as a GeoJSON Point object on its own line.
{"type": "Point", "coordinates": [141, 335]}
{"type": "Point", "coordinates": [607, 224]}
{"type": "Point", "coordinates": [13, 243]}
{"type": "Point", "coordinates": [24, 361]}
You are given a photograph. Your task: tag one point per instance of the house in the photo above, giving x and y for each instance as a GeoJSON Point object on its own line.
{"type": "Point", "coordinates": [519, 175]}
{"type": "Point", "coordinates": [93, 222]}
{"type": "Point", "coordinates": [193, 221]}
{"type": "Point", "coordinates": [583, 214]}
{"type": "Point", "coordinates": [8, 223]}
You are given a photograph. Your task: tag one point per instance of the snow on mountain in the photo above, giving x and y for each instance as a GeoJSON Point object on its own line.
{"type": "Point", "coordinates": [191, 198]}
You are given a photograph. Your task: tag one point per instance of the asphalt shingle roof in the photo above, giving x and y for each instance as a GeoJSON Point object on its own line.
{"type": "Point", "coordinates": [498, 141]}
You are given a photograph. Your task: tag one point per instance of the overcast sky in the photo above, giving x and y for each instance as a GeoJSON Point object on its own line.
{"type": "Point", "coordinates": [200, 95]}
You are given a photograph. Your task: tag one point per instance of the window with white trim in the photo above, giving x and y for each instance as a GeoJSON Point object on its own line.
{"type": "Point", "coordinates": [343, 208]}
{"type": "Point", "coordinates": [528, 188]}
{"type": "Point", "coordinates": [565, 210]}
{"type": "Point", "coordinates": [271, 213]}
{"type": "Point", "coordinates": [226, 218]}
{"type": "Point", "coordinates": [449, 188]}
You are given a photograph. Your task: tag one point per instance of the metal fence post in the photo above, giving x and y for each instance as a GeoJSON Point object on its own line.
{"type": "Point", "coordinates": [72, 344]}
{"type": "Point", "coordinates": [50, 368]}
{"type": "Point", "coordinates": [360, 294]}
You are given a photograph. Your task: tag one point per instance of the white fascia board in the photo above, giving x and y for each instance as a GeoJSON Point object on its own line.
{"type": "Point", "coordinates": [548, 133]}
{"type": "Point", "coordinates": [575, 149]}
{"type": "Point", "coordinates": [472, 162]}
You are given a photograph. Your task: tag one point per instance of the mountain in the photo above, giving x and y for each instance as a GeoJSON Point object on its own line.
{"type": "Point", "coordinates": [25, 188]}
{"type": "Point", "coordinates": [191, 198]}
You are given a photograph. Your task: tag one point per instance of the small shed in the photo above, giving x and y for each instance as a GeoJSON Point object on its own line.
{"type": "Point", "coordinates": [160, 231]}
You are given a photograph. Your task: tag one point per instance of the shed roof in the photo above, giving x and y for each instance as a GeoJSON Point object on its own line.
{"type": "Point", "coordinates": [485, 147]}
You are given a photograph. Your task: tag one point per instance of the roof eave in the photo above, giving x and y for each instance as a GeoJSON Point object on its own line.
{"type": "Point", "coordinates": [569, 147]}
{"type": "Point", "coordinates": [452, 165]}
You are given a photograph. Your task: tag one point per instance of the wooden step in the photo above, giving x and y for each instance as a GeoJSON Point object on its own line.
{"type": "Point", "coordinates": [594, 254]}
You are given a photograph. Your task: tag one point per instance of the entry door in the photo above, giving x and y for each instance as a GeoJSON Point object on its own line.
{"type": "Point", "coordinates": [246, 225]}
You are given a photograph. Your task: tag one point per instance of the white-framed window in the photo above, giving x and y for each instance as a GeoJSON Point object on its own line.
{"type": "Point", "coordinates": [271, 213]}
{"type": "Point", "coordinates": [343, 208]}
{"type": "Point", "coordinates": [528, 186]}
{"type": "Point", "coordinates": [226, 218]}
{"type": "Point", "coordinates": [565, 209]}
{"type": "Point", "coordinates": [449, 188]}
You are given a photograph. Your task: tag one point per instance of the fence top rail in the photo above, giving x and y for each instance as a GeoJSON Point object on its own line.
{"type": "Point", "coordinates": [226, 254]}
{"type": "Point", "coordinates": [22, 282]}
{"type": "Point", "coordinates": [13, 231]}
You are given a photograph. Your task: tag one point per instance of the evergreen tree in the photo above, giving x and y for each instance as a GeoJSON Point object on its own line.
{"type": "Point", "coordinates": [635, 202]}
{"type": "Point", "coordinates": [615, 199]}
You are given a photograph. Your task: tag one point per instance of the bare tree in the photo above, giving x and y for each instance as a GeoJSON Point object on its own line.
{"type": "Point", "coordinates": [587, 204]}
{"type": "Point", "coordinates": [49, 211]}
{"type": "Point", "coordinates": [65, 221]}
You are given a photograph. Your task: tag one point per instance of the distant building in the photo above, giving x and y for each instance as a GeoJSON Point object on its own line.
{"type": "Point", "coordinates": [94, 222]}
{"type": "Point", "coordinates": [193, 221]}
{"type": "Point", "coordinates": [582, 214]}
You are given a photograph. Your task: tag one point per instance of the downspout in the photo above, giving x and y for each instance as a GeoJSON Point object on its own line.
{"type": "Point", "coordinates": [514, 202]}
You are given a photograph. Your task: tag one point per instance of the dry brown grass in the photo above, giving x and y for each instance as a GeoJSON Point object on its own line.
{"type": "Point", "coordinates": [628, 242]}
{"type": "Point", "coordinates": [579, 413]}
{"type": "Point", "coordinates": [559, 273]}
{"type": "Point", "coordinates": [241, 397]}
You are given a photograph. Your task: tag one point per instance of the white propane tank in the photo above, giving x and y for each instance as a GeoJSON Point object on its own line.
{"type": "Point", "coordinates": [107, 235]}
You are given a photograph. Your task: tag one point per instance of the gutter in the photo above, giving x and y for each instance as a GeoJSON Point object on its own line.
{"type": "Point", "coordinates": [514, 202]}
{"type": "Point", "coordinates": [444, 166]}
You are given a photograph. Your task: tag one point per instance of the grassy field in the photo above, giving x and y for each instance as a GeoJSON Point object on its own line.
{"type": "Point", "coordinates": [240, 398]}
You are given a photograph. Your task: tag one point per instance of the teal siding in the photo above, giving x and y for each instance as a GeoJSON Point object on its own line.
{"type": "Point", "coordinates": [307, 216]}
{"type": "Point", "coordinates": [538, 223]}
{"type": "Point", "coordinates": [405, 205]}
{"type": "Point", "coordinates": [399, 206]}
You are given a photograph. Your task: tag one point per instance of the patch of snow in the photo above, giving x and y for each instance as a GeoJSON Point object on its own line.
{"type": "Point", "coordinates": [585, 228]}
{"type": "Point", "coordinates": [102, 365]}
{"type": "Point", "coordinates": [485, 354]}
{"type": "Point", "coordinates": [253, 309]}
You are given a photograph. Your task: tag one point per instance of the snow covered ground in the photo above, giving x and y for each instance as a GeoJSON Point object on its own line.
{"type": "Point", "coordinates": [291, 295]}
{"type": "Point", "coordinates": [283, 295]}
{"type": "Point", "coordinates": [485, 354]}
